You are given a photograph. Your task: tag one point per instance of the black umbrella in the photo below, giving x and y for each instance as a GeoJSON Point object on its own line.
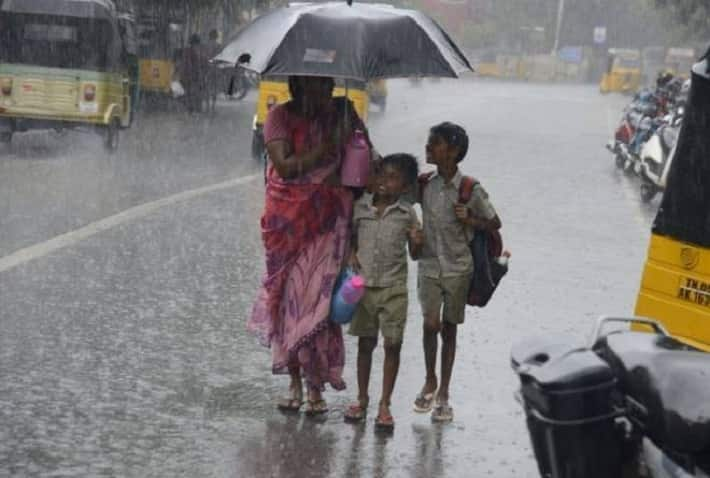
{"type": "Point", "coordinates": [362, 41]}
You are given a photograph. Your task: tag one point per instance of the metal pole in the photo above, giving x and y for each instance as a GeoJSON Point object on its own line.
{"type": "Point", "coordinates": [560, 14]}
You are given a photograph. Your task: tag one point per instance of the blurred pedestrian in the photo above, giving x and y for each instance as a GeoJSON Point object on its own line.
{"type": "Point", "coordinates": [212, 49]}
{"type": "Point", "coordinates": [193, 70]}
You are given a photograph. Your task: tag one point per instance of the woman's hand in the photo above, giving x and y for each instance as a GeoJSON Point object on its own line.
{"type": "Point", "coordinates": [290, 166]}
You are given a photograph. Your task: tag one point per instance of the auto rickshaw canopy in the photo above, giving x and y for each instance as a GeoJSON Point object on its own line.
{"type": "Point", "coordinates": [73, 34]}
{"type": "Point", "coordinates": [67, 8]}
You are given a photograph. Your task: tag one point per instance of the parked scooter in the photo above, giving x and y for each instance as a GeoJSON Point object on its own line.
{"type": "Point", "coordinates": [627, 405]}
{"type": "Point", "coordinates": [646, 129]}
{"type": "Point", "coordinates": [657, 156]}
{"type": "Point", "coordinates": [643, 105]}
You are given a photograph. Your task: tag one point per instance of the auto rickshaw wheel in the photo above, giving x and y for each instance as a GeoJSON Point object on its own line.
{"type": "Point", "coordinates": [111, 135]}
{"type": "Point", "coordinates": [6, 137]}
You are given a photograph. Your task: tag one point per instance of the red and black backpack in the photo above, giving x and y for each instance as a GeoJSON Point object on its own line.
{"type": "Point", "coordinates": [486, 248]}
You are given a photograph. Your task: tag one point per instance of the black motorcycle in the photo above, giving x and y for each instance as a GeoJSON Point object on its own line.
{"type": "Point", "coordinates": [627, 405]}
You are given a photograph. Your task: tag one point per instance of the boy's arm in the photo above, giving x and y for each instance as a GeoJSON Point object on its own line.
{"type": "Point", "coordinates": [353, 261]}
{"type": "Point", "coordinates": [415, 237]}
{"type": "Point", "coordinates": [480, 223]}
{"type": "Point", "coordinates": [478, 213]}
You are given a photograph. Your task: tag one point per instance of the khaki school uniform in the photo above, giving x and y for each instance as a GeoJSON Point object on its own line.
{"type": "Point", "coordinates": [446, 265]}
{"type": "Point", "coordinates": [382, 254]}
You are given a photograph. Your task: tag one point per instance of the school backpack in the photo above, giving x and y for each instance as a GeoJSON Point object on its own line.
{"type": "Point", "coordinates": [490, 262]}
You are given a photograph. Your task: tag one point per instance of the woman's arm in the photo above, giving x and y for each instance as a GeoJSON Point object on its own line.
{"type": "Point", "coordinates": [290, 166]}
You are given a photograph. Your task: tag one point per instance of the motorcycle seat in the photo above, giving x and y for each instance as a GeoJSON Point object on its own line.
{"type": "Point", "coordinates": [670, 380]}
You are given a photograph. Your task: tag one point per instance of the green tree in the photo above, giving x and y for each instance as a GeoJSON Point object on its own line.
{"type": "Point", "coordinates": [694, 14]}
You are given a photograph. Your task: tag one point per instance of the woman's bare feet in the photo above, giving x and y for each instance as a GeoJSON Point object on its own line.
{"type": "Point", "coordinates": [316, 405]}
{"type": "Point", "coordinates": [294, 400]}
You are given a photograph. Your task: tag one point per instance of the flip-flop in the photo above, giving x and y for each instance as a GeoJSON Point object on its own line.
{"type": "Point", "coordinates": [316, 407]}
{"type": "Point", "coordinates": [424, 402]}
{"type": "Point", "coordinates": [355, 413]}
{"type": "Point", "coordinates": [384, 423]}
{"type": "Point", "coordinates": [289, 404]}
{"type": "Point", "coordinates": [443, 413]}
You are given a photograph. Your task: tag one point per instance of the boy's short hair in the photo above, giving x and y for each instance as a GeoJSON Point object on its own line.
{"type": "Point", "coordinates": [454, 135]}
{"type": "Point", "coordinates": [404, 163]}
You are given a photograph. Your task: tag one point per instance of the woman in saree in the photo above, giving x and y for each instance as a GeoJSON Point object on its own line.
{"type": "Point", "coordinates": [305, 231]}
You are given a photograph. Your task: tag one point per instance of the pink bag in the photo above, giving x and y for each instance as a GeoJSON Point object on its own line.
{"type": "Point", "coordinates": [356, 163]}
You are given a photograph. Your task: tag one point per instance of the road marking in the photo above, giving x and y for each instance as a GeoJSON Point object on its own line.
{"type": "Point", "coordinates": [70, 238]}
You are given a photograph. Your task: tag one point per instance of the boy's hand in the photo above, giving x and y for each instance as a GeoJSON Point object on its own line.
{"type": "Point", "coordinates": [462, 213]}
{"type": "Point", "coordinates": [353, 262]}
{"type": "Point", "coordinates": [416, 236]}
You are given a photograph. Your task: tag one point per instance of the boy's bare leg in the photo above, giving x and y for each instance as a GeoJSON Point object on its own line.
{"type": "Point", "coordinates": [389, 375]}
{"type": "Point", "coordinates": [448, 354]}
{"type": "Point", "coordinates": [365, 347]}
{"type": "Point", "coordinates": [432, 326]}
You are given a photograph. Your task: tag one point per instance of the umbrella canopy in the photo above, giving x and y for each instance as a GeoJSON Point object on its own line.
{"type": "Point", "coordinates": [362, 41]}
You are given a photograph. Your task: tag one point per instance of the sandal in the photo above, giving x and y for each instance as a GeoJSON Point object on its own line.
{"type": "Point", "coordinates": [356, 412]}
{"type": "Point", "coordinates": [443, 413]}
{"type": "Point", "coordinates": [316, 407]}
{"type": "Point", "coordinates": [424, 402]}
{"type": "Point", "coordinates": [384, 423]}
{"type": "Point", "coordinates": [291, 405]}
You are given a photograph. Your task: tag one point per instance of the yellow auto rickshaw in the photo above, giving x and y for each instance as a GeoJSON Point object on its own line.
{"type": "Point", "coordinates": [377, 92]}
{"type": "Point", "coordinates": [160, 39]}
{"type": "Point", "coordinates": [675, 288]}
{"type": "Point", "coordinates": [623, 73]}
{"type": "Point", "coordinates": [63, 64]}
{"type": "Point", "coordinates": [678, 61]}
{"type": "Point", "coordinates": [274, 91]}
{"type": "Point", "coordinates": [487, 65]}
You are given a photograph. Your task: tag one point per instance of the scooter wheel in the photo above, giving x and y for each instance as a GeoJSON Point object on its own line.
{"type": "Point", "coordinates": [620, 161]}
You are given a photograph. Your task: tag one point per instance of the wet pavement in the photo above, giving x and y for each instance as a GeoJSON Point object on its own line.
{"type": "Point", "coordinates": [123, 352]}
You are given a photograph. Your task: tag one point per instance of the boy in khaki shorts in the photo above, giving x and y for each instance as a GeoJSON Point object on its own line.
{"type": "Point", "coordinates": [446, 264]}
{"type": "Point", "coordinates": [383, 226]}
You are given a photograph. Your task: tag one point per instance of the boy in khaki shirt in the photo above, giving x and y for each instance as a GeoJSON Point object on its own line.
{"type": "Point", "coordinates": [446, 264]}
{"type": "Point", "coordinates": [383, 225]}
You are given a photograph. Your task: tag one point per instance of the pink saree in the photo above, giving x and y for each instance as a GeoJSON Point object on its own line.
{"type": "Point", "coordinates": [305, 230]}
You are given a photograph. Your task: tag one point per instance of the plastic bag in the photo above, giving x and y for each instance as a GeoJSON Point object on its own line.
{"type": "Point", "coordinates": [177, 89]}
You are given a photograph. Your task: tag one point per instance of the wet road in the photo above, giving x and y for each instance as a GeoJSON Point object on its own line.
{"type": "Point", "coordinates": [122, 345]}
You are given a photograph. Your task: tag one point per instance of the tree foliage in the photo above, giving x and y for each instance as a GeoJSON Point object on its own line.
{"type": "Point", "coordinates": [693, 14]}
